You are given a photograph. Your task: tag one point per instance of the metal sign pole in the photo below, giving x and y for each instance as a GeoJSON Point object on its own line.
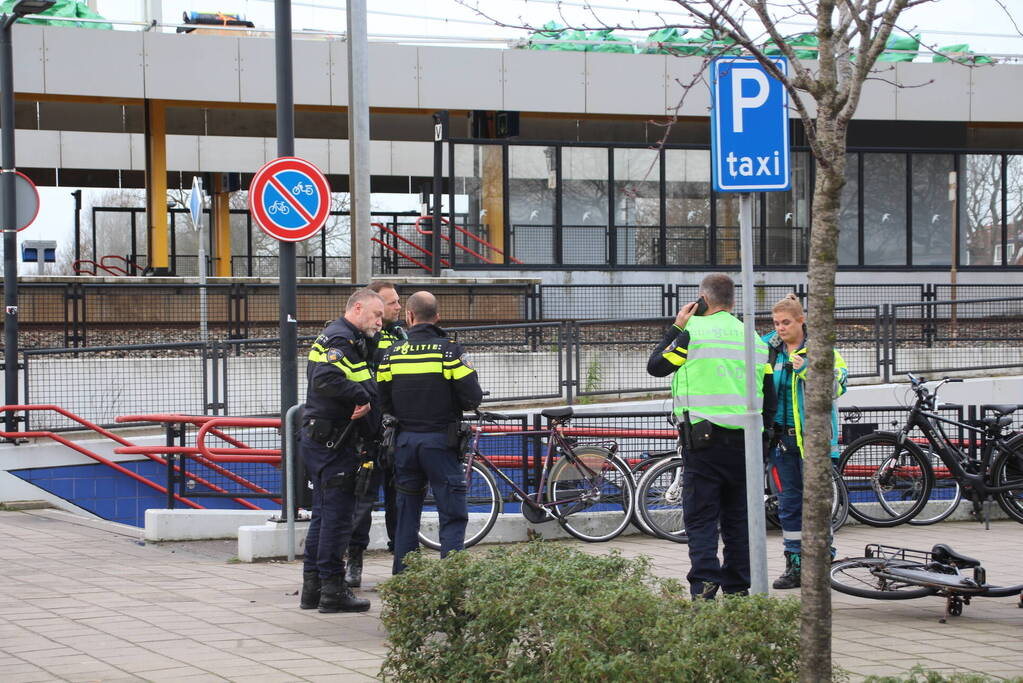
{"type": "Point", "coordinates": [196, 202]}
{"type": "Point", "coordinates": [9, 222]}
{"type": "Point", "coordinates": [288, 325]}
{"type": "Point", "coordinates": [754, 444]}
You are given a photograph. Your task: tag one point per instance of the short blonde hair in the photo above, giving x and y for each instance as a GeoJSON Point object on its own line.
{"type": "Point", "coordinates": [789, 304]}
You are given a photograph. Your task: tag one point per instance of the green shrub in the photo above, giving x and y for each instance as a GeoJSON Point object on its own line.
{"type": "Point", "coordinates": [545, 612]}
{"type": "Point", "coordinates": [918, 674]}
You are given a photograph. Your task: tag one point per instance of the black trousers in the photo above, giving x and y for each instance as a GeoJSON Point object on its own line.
{"type": "Point", "coordinates": [714, 498]}
{"type": "Point", "coordinates": [364, 511]}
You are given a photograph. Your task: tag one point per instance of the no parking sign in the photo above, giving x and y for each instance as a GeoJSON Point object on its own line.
{"type": "Point", "coordinates": [290, 199]}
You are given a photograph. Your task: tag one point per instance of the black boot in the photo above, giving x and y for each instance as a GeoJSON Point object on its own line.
{"type": "Point", "coordinates": [336, 596]}
{"type": "Point", "coordinates": [310, 590]}
{"type": "Point", "coordinates": [353, 577]}
{"type": "Point", "coordinates": [793, 570]}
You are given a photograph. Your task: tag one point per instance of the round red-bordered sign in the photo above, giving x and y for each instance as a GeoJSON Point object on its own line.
{"type": "Point", "coordinates": [290, 199]}
{"type": "Point", "coordinates": [27, 200]}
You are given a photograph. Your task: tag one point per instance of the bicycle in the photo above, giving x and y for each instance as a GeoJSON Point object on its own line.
{"type": "Point", "coordinates": [574, 479]}
{"type": "Point", "coordinates": [892, 573]}
{"type": "Point", "coordinates": [890, 478]}
{"type": "Point", "coordinates": [659, 497]}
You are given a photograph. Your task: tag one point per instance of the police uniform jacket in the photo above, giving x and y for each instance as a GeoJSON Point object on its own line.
{"type": "Point", "coordinates": [384, 340]}
{"type": "Point", "coordinates": [339, 378]}
{"type": "Point", "coordinates": [426, 382]}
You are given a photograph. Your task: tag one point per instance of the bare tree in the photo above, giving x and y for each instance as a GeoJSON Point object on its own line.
{"type": "Point", "coordinates": [851, 35]}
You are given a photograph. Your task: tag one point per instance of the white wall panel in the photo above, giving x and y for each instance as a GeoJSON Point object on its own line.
{"type": "Point", "coordinates": [687, 87]}
{"type": "Point", "coordinates": [37, 148]}
{"type": "Point", "coordinates": [932, 92]}
{"type": "Point", "coordinates": [312, 150]}
{"type": "Point", "coordinates": [997, 94]}
{"type": "Point", "coordinates": [94, 150]}
{"type": "Point", "coordinates": [536, 80]}
{"type": "Point", "coordinates": [877, 99]}
{"type": "Point", "coordinates": [339, 72]}
{"type": "Point", "coordinates": [185, 66]}
{"type": "Point", "coordinates": [337, 151]}
{"type": "Point", "coordinates": [227, 153]}
{"type": "Point", "coordinates": [312, 71]}
{"type": "Point", "coordinates": [625, 84]}
{"type": "Point", "coordinates": [412, 158]}
{"type": "Point", "coordinates": [27, 47]}
{"type": "Point", "coordinates": [393, 76]}
{"type": "Point", "coordinates": [469, 78]}
{"type": "Point", "coordinates": [380, 157]}
{"type": "Point", "coordinates": [95, 63]}
{"type": "Point", "coordinates": [137, 145]}
{"type": "Point", "coordinates": [258, 77]}
{"type": "Point", "coordinates": [256, 74]}
{"type": "Point", "coordinates": [183, 152]}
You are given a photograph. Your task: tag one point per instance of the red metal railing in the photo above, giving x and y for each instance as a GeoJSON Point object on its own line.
{"type": "Point", "coordinates": [129, 268]}
{"type": "Point", "coordinates": [460, 229]}
{"type": "Point", "coordinates": [382, 228]}
{"type": "Point", "coordinates": [77, 266]}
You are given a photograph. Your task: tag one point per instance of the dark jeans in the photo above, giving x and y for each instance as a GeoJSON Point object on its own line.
{"type": "Point", "coordinates": [714, 497]}
{"type": "Point", "coordinates": [331, 525]}
{"type": "Point", "coordinates": [421, 458]}
{"type": "Point", "coordinates": [364, 511]}
{"type": "Point", "coordinates": [789, 463]}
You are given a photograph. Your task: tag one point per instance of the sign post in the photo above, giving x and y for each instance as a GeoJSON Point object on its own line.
{"type": "Point", "coordinates": [195, 204]}
{"type": "Point", "coordinates": [750, 153]}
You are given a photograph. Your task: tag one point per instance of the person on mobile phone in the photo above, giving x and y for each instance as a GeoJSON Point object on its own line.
{"type": "Point", "coordinates": [787, 346]}
{"type": "Point", "coordinates": [704, 353]}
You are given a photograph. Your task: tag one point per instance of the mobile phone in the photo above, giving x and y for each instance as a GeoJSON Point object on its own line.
{"type": "Point", "coordinates": [701, 306]}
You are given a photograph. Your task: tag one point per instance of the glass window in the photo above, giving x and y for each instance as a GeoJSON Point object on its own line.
{"type": "Point", "coordinates": [884, 209]}
{"type": "Point", "coordinates": [849, 214]}
{"type": "Point", "coordinates": [1014, 210]}
{"type": "Point", "coordinates": [532, 180]}
{"type": "Point", "coordinates": [980, 211]}
{"type": "Point", "coordinates": [637, 217]}
{"type": "Point", "coordinates": [687, 203]}
{"type": "Point", "coordinates": [584, 224]}
{"type": "Point", "coordinates": [479, 202]}
{"type": "Point", "coordinates": [932, 210]}
{"type": "Point", "coordinates": [787, 219]}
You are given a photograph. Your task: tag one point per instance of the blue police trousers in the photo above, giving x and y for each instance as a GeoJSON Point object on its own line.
{"type": "Point", "coordinates": [713, 498]}
{"type": "Point", "coordinates": [421, 458]}
{"type": "Point", "coordinates": [333, 508]}
{"type": "Point", "coordinates": [789, 463]}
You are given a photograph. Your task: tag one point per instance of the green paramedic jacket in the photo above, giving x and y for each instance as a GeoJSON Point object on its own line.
{"type": "Point", "coordinates": [709, 379]}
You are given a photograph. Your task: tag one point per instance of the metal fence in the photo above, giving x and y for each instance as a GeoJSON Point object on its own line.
{"type": "Point", "coordinates": [517, 362]}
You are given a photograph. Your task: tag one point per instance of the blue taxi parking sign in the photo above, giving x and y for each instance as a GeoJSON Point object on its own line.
{"type": "Point", "coordinates": [749, 126]}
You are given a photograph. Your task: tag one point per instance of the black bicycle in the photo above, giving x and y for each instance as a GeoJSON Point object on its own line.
{"type": "Point", "coordinates": [891, 573]}
{"type": "Point", "coordinates": [891, 479]}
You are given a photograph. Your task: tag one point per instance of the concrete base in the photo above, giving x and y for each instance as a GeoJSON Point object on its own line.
{"type": "Point", "coordinates": [199, 525]}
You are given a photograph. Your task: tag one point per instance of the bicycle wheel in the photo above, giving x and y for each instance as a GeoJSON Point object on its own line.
{"type": "Point", "coordinates": [864, 577]}
{"type": "Point", "coordinates": [839, 502]}
{"type": "Point", "coordinates": [659, 500]}
{"type": "Point", "coordinates": [485, 504]}
{"type": "Point", "coordinates": [888, 483]}
{"type": "Point", "coordinates": [946, 493]}
{"type": "Point", "coordinates": [772, 486]}
{"type": "Point", "coordinates": [592, 493]}
{"type": "Point", "coordinates": [1008, 471]}
{"type": "Point", "coordinates": [839, 499]}
{"type": "Point", "coordinates": [638, 470]}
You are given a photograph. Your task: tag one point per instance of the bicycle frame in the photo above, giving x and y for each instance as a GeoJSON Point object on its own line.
{"type": "Point", "coordinates": [555, 441]}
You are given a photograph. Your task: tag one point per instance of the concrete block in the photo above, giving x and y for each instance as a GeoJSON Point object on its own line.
{"type": "Point", "coordinates": [195, 525]}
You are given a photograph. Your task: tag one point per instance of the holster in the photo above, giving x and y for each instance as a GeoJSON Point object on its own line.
{"type": "Point", "coordinates": [388, 441]}
{"type": "Point", "coordinates": [697, 436]}
{"type": "Point", "coordinates": [464, 438]}
{"type": "Point", "coordinates": [454, 436]}
{"type": "Point", "coordinates": [329, 433]}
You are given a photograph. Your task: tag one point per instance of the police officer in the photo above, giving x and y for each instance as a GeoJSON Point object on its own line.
{"type": "Point", "coordinates": [391, 332]}
{"type": "Point", "coordinates": [426, 383]}
{"type": "Point", "coordinates": [339, 411]}
{"type": "Point", "coordinates": [704, 350]}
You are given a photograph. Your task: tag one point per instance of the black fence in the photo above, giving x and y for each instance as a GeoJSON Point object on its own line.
{"type": "Point", "coordinates": [570, 361]}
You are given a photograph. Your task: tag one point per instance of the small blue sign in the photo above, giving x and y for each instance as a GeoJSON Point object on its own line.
{"type": "Point", "coordinates": [749, 126]}
{"type": "Point", "coordinates": [195, 202]}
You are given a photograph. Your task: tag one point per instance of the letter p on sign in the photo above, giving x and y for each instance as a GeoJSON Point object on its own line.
{"type": "Point", "coordinates": [749, 126]}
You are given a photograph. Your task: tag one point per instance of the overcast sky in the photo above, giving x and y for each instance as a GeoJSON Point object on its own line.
{"type": "Point", "coordinates": [981, 23]}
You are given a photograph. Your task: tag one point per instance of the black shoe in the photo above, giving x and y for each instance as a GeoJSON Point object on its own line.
{"type": "Point", "coordinates": [353, 577]}
{"type": "Point", "coordinates": [310, 590]}
{"type": "Point", "coordinates": [336, 596]}
{"type": "Point", "coordinates": [792, 578]}
{"type": "Point", "coordinates": [703, 591]}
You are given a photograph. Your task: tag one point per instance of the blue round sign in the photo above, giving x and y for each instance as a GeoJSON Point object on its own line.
{"type": "Point", "coordinates": [290, 199]}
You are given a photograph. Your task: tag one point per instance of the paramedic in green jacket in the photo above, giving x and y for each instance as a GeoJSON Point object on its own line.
{"type": "Point", "coordinates": [787, 346]}
{"type": "Point", "coordinates": [704, 351]}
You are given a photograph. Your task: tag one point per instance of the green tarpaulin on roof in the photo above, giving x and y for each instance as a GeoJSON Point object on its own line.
{"type": "Point", "coordinates": [960, 53]}
{"type": "Point", "coordinates": [63, 8]}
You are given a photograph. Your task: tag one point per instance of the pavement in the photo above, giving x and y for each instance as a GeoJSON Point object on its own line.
{"type": "Point", "coordinates": [82, 600]}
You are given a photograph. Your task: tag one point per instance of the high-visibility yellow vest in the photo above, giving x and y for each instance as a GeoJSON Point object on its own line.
{"type": "Point", "coordinates": [711, 383]}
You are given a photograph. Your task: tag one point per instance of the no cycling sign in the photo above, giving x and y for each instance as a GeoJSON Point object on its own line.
{"type": "Point", "coordinates": [290, 199]}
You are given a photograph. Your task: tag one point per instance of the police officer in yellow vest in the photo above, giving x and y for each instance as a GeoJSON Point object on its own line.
{"type": "Point", "coordinates": [704, 349]}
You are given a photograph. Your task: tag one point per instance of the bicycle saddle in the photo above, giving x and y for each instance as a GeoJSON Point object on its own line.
{"type": "Point", "coordinates": [942, 553]}
{"type": "Point", "coordinates": [566, 411]}
{"type": "Point", "coordinates": [1004, 409]}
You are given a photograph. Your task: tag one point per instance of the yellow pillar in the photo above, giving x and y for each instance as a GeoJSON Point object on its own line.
{"type": "Point", "coordinates": [158, 244]}
{"type": "Point", "coordinates": [492, 201]}
{"type": "Point", "coordinates": [222, 227]}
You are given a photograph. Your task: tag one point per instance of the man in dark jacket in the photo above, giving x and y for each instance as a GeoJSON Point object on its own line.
{"type": "Point", "coordinates": [339, 412]}
{"type": "Point", "coordinates": [426, 383]}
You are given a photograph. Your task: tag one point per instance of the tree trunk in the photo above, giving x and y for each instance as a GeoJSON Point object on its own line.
{"type": "Point", "coordinates": [815, 635]}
